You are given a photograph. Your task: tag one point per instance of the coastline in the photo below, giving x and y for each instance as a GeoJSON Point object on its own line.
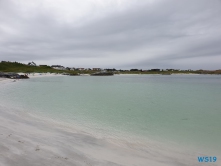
{"type": "Point", "coordinates": [27, 140]}
{"type": "Point", "coordinates": [34, 75]}
{"type": "Point", "coordinates": [3, 79]}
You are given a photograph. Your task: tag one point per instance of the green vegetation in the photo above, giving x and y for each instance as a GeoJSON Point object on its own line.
{"type": "Point", "coordinates": [23, 68]}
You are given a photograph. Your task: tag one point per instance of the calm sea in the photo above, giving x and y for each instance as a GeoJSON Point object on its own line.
{"type": "Point", "coordinates": [183, 110]}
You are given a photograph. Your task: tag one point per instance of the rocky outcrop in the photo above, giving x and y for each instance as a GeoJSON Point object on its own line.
{"type": "Point", "coordinates": [13, 75]}
{"type": "Point", "coordinates": [103, 74]}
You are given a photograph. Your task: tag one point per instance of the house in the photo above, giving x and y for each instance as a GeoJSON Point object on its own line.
{"type": "Point", "coordinates": [96, 69]}
{"type": "Point", "coordinates": [169, 69]}
{"type": "Point", "coordinates": [68, 68]}
{"type": "Point", "coordinates": [135, 70]}
{"type": "Point", "coordinates": [32, 64]}
{"type": "Point", "coordinates": [58, 67]}
{"type": "Point", "coordinates": [110, 69]}
{"type": "Point", "coordinates": [154, 69]}
{"type": "Point", "coordinates": [79, 68]}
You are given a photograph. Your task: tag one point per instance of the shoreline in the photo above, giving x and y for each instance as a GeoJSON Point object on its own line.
{"type": "Point", "coordinates": [3, 79]}
{"type": "Point", "coordinates": [26, 139]}
{"type": "Point", "coordinates": [34, 75]}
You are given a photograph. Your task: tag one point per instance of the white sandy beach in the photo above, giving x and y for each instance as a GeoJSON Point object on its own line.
{"type": "Point", "coordinates": [3, 79]}
{"type": "Point", "coordinates": [29, 141]}
{"type": "Point", "coordinates": [26, 140]}
{"type": "Point", "coordinates": [31, 75]}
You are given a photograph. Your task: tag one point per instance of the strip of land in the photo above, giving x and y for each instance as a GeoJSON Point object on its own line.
{"type": "Point", "coordinates": [25, 68]}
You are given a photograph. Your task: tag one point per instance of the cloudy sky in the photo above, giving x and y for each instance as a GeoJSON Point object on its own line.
{"type": "Point", "coordinates": [122, 34]}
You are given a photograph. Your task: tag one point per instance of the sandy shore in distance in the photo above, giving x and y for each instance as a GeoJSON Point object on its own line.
{"type": "Point", "coordinates": [31, 75]}
{"type": "Point", "coordinates": [3, 79]}
{"type": "Point", "coordinates": [26, 140]}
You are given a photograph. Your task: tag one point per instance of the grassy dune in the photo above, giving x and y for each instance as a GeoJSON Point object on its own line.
{"type": "Point", "coordinates": [19, 67]}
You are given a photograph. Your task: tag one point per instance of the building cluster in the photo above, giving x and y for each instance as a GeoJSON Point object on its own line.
{"type": "Point", "coordinates": [153, 70]}
{"type": "Point", "coordinates": [60, 67]}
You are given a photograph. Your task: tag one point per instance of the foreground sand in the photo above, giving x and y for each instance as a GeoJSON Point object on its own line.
{"type": "Point", "coordinates": [29, 141]}
{"type": "Point", "coordinates": [25, 141]}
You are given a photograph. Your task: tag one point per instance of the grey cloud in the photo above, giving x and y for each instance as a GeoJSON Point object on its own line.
{"type": "Point", "coordinates": [156, 34]}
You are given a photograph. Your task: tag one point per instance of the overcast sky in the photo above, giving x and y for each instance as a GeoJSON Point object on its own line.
{"type": "Point", "coordinates": [120, 34]}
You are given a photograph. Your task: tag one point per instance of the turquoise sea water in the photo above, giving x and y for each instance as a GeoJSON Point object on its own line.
{"type": "Point", "coordinates": [180, 109]}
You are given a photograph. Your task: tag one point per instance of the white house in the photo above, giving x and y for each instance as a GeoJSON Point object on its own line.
{"type": "Point", "coordinates": [58, 67]}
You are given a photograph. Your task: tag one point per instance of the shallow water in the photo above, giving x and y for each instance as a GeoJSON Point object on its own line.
{"type": "Point", "coordinates": [182, 110]}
